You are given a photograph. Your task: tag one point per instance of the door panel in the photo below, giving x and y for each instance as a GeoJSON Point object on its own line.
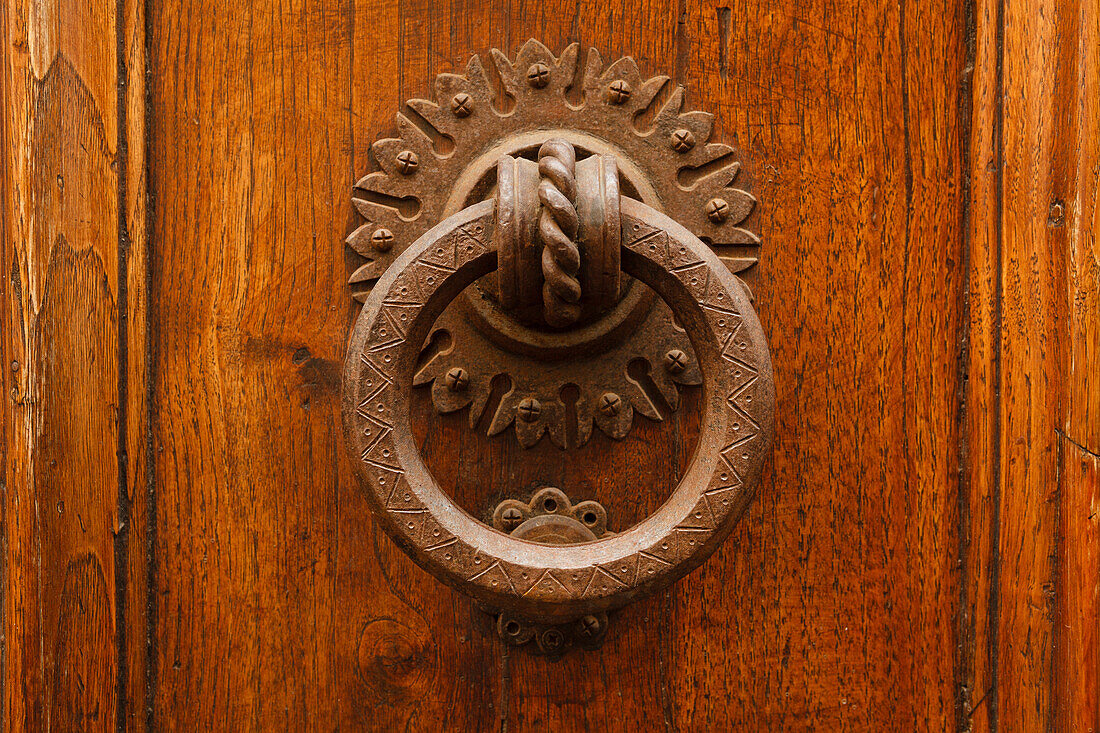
{"type": "Point", "coordinates": [184, 543]}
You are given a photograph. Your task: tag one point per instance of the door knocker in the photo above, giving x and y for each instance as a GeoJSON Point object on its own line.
{"type": "Point", "coordinates": [546, 225]}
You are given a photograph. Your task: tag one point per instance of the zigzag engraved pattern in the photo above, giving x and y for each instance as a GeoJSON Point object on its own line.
{"type": "Point", "coordinates": [415, 524]}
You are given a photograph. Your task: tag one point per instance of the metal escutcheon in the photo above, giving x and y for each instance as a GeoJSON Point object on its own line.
{"type": "Point", "coordinates": [544, 325]}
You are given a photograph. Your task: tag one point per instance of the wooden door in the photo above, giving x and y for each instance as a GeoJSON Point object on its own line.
{"type": "Point", "coordinates": [184, 546]}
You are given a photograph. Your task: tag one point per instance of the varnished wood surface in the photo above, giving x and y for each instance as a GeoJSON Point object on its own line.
{"type": "Point", "coordinates": [183, 544]}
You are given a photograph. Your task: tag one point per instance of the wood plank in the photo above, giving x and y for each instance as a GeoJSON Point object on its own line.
{"type": "Point", "coordinates": [1079, 167]}
{"type": "Point", "coordinates": [1032, 358]}
{"type": "Point", "coordinates": [980, 439]}
{"type": "Point", "coordinates": [933, 328]}
{"type": "Point", "coordinates": [406, 661]}
{"type": "Point", "coordinates": [626, 684]}
{"type": "Point", "coordinates": [414, 655]}
{"type": "Point", "coordinates": [1077, 650]}
{"type": "Point", "coordinates": [479, 683]}
{"type": "Point", "coordinates": [1076, 654]}
{"type": "Point", "coordinates": [393, 652]}
{"type": "Point", "coordinates": [249, 170]}
{"type": "Point", "coordinates": [135, 529]}
{"type": "Point", "coordinates": [62, 374]}
{"type": "Point", "coordinates": [842, 577]}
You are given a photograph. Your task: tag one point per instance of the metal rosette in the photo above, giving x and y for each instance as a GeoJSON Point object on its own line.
{"type": "Point", "coordinates": [444, 159]}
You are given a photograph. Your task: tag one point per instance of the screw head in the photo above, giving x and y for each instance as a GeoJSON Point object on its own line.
{"type": "Point", "coordinates": [611, 403]}
{"type": "Point", "coordinates": [407, 162]}
{"type": "Point", "coordinates": [551, 640]}
{"type": "Point", "coordinates": [618, 92]}
{"type": "Point", "coordinates": [457, 379]}
{"type": "Point", "coordinates": [511, 518]}
{"type": "Point", "coordinates": [590, 627]}
{"type": "Point", "coordinates": [538, 75]}
{"type": "Point", "coordinates": [462, 104]}
{"type": "Point", "coordinates": [683, 140]}
{"type": "Point", "coordinates": [529, 409]}
{"type": "Point", "coordinates": [382, 239]}
{"type": "Point", "coordinates": [676, 361]}
{"type": "Point", "coordinates": [717, 210]}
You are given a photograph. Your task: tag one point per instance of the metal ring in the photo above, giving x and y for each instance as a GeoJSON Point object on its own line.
{"type": "Point", "coordinates": [562, 582]}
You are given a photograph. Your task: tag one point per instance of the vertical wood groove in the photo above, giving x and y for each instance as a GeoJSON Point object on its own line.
{"type": "Point", "coordinates": [964, 630]}
{"type": "Point", "coordinates": [152, 397]}
{"type": "Point", "coordinates": [1058, 563]}
{"type": "Point", "coordinates": [7, 437]}
{"type": "Point", "coordinates": [151, 593]}
{"type": "Point", "coordinates": [122, 534]}
{"type": "Point", "coordinates": [993, 612]}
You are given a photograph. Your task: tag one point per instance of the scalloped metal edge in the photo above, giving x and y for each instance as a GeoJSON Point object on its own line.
{"type": "Point", "coordinates": [425, 189]}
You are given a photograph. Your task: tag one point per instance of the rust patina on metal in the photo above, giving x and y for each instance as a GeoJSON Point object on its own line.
{"type": "Point", "coordinates": [523, 578]}
{"type": "Point", "coordinates": [550, 518]}
{"type": "Point", "coordinates": [560, 320]}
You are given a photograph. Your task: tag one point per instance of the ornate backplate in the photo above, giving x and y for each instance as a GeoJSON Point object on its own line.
{"type": "Point", "coordinates": [627, 359]}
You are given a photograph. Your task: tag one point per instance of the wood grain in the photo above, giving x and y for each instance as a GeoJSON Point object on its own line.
{"type": "Point", "coordinates": [249, 171]}
{"type": "Point", "coordinates": [65, 491]}
{"type": "Point", "coordinates": [184, 545]}
{"type": "Point", "coordinates": [844, 575]}
{"type": "Point", "coordinates": [979, 508]}
{"type": "Point", "coordinates": [136, 532]}
{"type": "Point", "coordinates": [1075, 698]}
{"type": "Point", "coordinates": [1045, 135]}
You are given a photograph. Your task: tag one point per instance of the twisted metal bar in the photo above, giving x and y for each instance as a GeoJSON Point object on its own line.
{"type": "Point", "coordinates": [558, 224]}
